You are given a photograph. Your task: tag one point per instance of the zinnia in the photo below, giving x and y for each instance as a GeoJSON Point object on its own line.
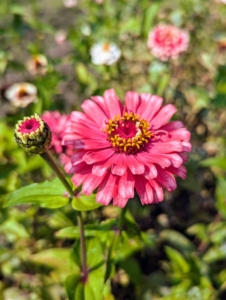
{"type": "Point", "coordinates": [57, 123]}
{"type": "Point", "coordinates": [37, 64]}
{"type": "Point", "coordinates": [120, 149]}
{"type": "Point", "coordinates": [167, 41]}
{"type": "Point", "coordinates": [105, 53]}
{"type": "Point", "coordinates": [21, 94]}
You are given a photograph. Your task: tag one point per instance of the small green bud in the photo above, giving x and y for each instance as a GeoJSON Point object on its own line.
{"type": "Point", "coordinates": [33, 134]}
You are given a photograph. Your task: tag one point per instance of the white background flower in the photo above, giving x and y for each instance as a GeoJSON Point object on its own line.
{"type": "Point", "coordinates": [21, 94]}
{"type": "Point", "coordinates": [105, 53]}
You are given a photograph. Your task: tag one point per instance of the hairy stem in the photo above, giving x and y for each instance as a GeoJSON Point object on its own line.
{"type": "Point", "coordinates": [51, 162]}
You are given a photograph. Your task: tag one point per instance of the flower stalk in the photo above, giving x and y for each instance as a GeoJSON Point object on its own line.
{"type": "Point", "coordinates": [51, 162]}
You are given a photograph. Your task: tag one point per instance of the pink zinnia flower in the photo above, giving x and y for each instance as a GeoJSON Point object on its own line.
{"type": "Point", "coordinates": [122, 148]}
{"type": "Point", "coordinates": [167, 41]}
{"type": "Point", "coordinates": [57, 123]}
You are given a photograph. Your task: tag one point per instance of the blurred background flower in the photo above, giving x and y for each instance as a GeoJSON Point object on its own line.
{"type": "Point", "coordinates": [167, 41]}
{"type": "Point", "coordinates": [37, 64]}
{"type": "Point", "coordinates": [70, 3]}
{"type": "Point", "coordinates": [105, 53]}
{"type": "Point", "coordinates": [21, 94]}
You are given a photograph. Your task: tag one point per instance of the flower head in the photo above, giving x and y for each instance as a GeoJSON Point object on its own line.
{"type": "Point", "coordinates": [33, 134]}
{"type": "Point", "coordinates": [37, 64]}
{"type": "Point", "coordinates": [70, 3]}
{"type": "Point", "coordinates": [167, 41]}
{"type": "Point", "coordinates": [21, 94]}
{"type": "Point", "coordinates": [60, 36]}
{"type": "Point", "coordinates": [122, 148]}
{"type": "Point", "coordinates": [57, 123]}
{"type": "Point", "coordinates": [105, 53]}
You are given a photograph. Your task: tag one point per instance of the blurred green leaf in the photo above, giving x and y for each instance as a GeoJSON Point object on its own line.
{"type": "Point", "coordinates": [200, 231]}
{"type": "Point", "coordinates": [215, 253]}
{"type": "Point", "coordinates": [49, 194]}
{"type": "Point", "coordinates": [221, 196]}
{"type": "Point", "coordinates": [149, 16]}
{"type": "Point", "coordinates": [219, 162]}
{"type": "Point", "coordinates": [176, 239]}
{"type": "Point", "coordinates": [177, 259]}
{"type": "Point", "coordinates": [84, 203]}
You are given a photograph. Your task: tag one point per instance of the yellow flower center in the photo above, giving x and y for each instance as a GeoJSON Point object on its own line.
{"type": "Point", "coordinates": [128, 133]}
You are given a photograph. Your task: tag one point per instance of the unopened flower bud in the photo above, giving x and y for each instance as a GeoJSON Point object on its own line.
{"type": "Point", "coordinates": [33, 134]}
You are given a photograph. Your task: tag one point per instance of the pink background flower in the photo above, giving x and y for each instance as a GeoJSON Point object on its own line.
{"type": "Point", "coordinates": [57, 123]}
{"type": "Point", "coordinates": [167, 41]}
{"type": "Point", "coordinates": [122, 148]}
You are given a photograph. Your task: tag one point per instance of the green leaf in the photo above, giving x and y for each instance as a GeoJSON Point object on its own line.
{"type": "Point", "coordinates": [132, 268]}
{"type": "Point", "coordinates": [217, 232]}
{"type": "Point", "coordinates": [176, 239]}
{"type": "Point", "coordinates": [92, 289]}
{"type": "Point", "coordinates": [221, 196]}
{"type": "Point", "coordinates": [149, 16]}
{"type": "Point", "coordinates": [94, 252]}
{"type": "Point", "coordinates": [215, 253]}
{"type": "Point", "coordinates": [219, 162]}
{"type": "Point", "coordinates": [84, 203]}
{"type": "Point", "coordinates": [48, 194]}
{"type": "Point", "coordinates": [200, 231]}
{"type": "Point", "coordinates": [177, 259]}
{"type": "Point", "coordinates": [74, 287]}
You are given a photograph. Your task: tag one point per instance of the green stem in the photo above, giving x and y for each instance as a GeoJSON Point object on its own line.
{"type": "Point", "coordinates": [51, 162]}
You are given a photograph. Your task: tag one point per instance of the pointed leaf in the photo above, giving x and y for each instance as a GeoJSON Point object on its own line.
{"type": "Point", "coordinates": [48, 194]}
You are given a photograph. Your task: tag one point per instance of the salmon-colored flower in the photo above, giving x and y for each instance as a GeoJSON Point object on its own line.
{"type": "Point", "coordinates": [21, 94]}
{"type": "Point", "coordinates": [167, 41]}
{"type": "Point", "coordinates": [120, 149]}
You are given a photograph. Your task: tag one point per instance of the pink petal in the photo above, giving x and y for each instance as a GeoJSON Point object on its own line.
{"type": "Point", "coordinates": [158, 191]}
{"type": "Point", "coordinates": [78, 178]}
{"type": "Point", "coordinates": [184, 156]}
{"type": "Point", "coordinates": [79, 117]}
{"type": "Point", "coordinates": [166, 179]}
{"type": "Point", "coordinates": [92, 157]}
{"type": "Point", "coordinates": [174, 125]}
{"type": "Point", "coordinates": [134, 165]}
{"type": "Point", "coordinates": [180, 134]}
{"type": "Point", "coordinates": [163, 116]}
{"type": "Point", "coordinates": [89, 144]}
{"type": "Point", "coordinates": [76, 158]}
{"type": "Point", "coordinates": [120, 201]}
{"type": "Point", "coordinates": [91, 183]}
{"type": "Point", "coordinates": [144, 190]}
{"type": "Point", "coordinates": [101, 167]}
{"type": "Point", "coordinates": [150, 172]}
{"type": "Point", "coordinates": [153, 106]}
{"type": "Point", "coordinates": [132, 101]}
{"type": "Point", "coordinates": [126, 185]}
{"type": "Point", "coordinates": [114, 106]}
{"type": "Point", "coordinates": [106, 189]}
{"type": "Point", "coordinates": [102, 104]}
{"type": "Point", "coordinates": [181, 171]}
{"type": "Point", "coordinates": [166, 147]}
{"type": "Point", "coordinates": [94, 112]}
{"type": "Point", "coordinates": [186, 146]}
{"type": "Point", "coordinates": [144, 99]}
{"type": "Point", "coordinates": [119, 165]}
{"type": "Point", "coordinates": [161, 160]}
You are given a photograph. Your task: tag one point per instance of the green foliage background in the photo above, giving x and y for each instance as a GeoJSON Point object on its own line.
{"type": "Point", "coordinates": [172, 250]}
